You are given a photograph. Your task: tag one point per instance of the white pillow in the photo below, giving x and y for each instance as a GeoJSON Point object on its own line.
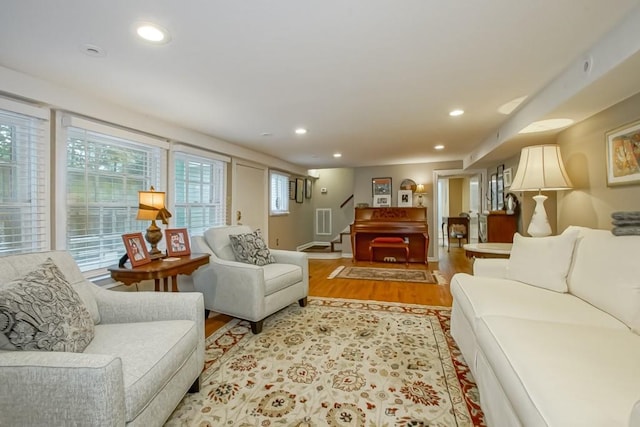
{"type": "Point", "coordinates": [542, 261]}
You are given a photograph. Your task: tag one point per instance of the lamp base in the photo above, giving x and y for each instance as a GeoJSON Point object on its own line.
{"type": "Point", "coordinates": [153, 236]}
{"type": "Point", "coordinates": [539, 225]}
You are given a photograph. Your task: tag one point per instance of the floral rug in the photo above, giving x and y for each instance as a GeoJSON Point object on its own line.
{"type": "Point", "coordinates": [335, 363]}
{"type": "Point", "coordinates": [389, 274]}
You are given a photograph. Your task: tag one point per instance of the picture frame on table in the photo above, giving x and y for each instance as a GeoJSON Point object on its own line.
{"type": "Point", "coordinates": [307, 188]}
{"type": "Point", "coordinates": [177, 242]}
{"type": "Point", "coordinates": [136, 249]}
{"type": "Point", "coordinates": [623, 155]}
{"type": "Point", "coordinates": [405, 198]}
{"type": "Point", "coordinates": [299, 190]}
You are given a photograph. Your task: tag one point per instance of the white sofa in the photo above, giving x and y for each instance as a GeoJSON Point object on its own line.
{"type": "Point", "coordinates": [146, 353]}
{"type": "Point", "coordinates": [551, 335]}
{"type": "Point", "coordinates": [247, 291]}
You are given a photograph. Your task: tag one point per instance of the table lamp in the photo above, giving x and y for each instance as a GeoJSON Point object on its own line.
{"type": "Point", "coordinates": [540, 168]}
{"type": "Point", "coordinates": [151, 207]}
{"type": "Point", "coordinates": [420, 192]}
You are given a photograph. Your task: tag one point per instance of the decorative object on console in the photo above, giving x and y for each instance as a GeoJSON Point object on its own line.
{"type": "Point", "coordinates": [405, 198]}
{"type": "Point", "coordinates": [540, 168]}
{"type": "Point", "coordinates": [151, 206]}
{"type": "Point", "coordinates": [177, 242]}
{"type": "Point", "coordinates": [623, 155]}
{"type": "Point", "coordinates": [420, 192]}
{"type": "Point", "coordinates": [408, 184]}
{"type": "Point", "coordinates": [136, 250]}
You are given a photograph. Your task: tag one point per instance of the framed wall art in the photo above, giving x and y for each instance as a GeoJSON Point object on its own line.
{"type": "Point", "coordinates": [307, 188]}
{"type": "Point", "coordinates": [381, 187]}
{"type": "Point", "coordinates": [136, 249]}
{"type": "Point", "coordinates": [623, 155]}
{"type": "Point", "coordinates": [382, 201]}
{"type": "Point", "coordinates": [299, 190]}
{"type": "Point", "coordinates": [405, 198]}
{"type": "Point", "coordinates": [292, 190]}
{"type": "Point", "coordinates": [177, 242]}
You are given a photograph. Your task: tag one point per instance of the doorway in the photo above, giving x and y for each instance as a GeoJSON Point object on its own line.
{"type": "Point", "coordinates": [250, 196]}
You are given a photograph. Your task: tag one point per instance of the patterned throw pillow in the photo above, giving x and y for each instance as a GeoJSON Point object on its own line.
{"type": "Point", "coordinates": [42, 311]}
{"type": "Point", "coordinates": [250, 248]}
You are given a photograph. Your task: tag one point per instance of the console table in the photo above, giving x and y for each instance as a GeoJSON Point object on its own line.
{"type": "Point", "coordinates": [160, 269]}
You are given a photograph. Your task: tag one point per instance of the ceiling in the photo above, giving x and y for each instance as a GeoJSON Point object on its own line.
{"type": "Point", "coordinates": [371, 79]}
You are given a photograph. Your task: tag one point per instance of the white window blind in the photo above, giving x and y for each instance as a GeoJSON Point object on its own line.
{"type": "Point", "coordinates": [103, 176]}
{"type": "Point", "coordinates": [24, 141]}
{"type": "Point", "coordinates": [199, 192]}
{"type": "Point", "coordinates": [279, 197]}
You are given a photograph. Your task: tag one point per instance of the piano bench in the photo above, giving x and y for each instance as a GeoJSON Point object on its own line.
{"type": "Point", "coordinates": [389, 242]}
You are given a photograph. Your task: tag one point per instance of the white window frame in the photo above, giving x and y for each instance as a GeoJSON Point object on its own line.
{"type": "Point", "coordinates": [278, 188]}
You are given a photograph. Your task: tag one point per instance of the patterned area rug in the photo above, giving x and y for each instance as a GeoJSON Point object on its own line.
{"type": "Point", "coordinates": [335, 363]}
{"type": "Point", "coordinates": [389, 274]}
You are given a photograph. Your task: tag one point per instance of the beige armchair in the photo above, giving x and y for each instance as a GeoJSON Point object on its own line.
{"type": "Point", "coordinates": [248, 291]}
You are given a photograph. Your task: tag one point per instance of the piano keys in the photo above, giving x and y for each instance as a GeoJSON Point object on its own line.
{"type": "Point", "coordinates": [410, 223]}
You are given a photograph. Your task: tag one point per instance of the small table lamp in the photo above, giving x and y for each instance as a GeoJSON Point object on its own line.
{"type": "Point", "coordinates": [420, 192]}
{"type": "Point", "coordinates": [540, 168]}
{"type": "Point", "coordinates": [151, 207]}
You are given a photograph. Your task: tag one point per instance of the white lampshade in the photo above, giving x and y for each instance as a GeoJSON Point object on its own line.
{"type": "Point", "coordinates": [540, 168]}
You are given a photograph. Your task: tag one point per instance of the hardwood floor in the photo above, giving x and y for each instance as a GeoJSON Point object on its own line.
{"type": "Point", "coordinates": [411, 293]}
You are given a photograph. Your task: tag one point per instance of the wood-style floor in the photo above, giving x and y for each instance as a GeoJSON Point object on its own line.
{"type": "Point", "coordinates": [411, 293]}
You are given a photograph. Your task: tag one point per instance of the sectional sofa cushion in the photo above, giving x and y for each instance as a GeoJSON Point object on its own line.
{"type": "Point", "coordinates": [542, 261]}
{"type": "Point", "coordinates": [41, 311]}
{"type": "Point", "coordinates": [606, 273]}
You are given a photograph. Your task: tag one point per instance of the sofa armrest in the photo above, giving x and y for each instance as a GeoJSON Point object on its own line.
{"type": "Point", "coordinates": [296, 258]}
{"type": "Point", "coordinates": [59, 388]}
{"type": "Point", "coordinates": [490, 267]}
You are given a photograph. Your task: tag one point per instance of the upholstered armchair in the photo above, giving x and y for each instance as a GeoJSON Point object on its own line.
{"type": "Point", "coordinates": [247, 291]}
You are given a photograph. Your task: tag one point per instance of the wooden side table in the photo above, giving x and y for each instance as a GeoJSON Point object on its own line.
{"type": "Point", "coordinates": [488, 250]}
{"type": "Point", "coordinates": [160, 269]}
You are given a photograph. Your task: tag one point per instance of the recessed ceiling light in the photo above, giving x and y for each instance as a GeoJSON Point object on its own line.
{"type": "Point", "coordinates": [456, 113]}
{"type": "Point", "coordinates": [439, 147]}
{"type": "Point", "coordinates": [93, 50]}
{"type": "Point", "coordinates": [336, 155]}
{"type": "Point", "coordinates": [152, 33]}
{"type": "Point", "coordinates": [545, 125]}
{"type": "Point", "coordinates": [301, 131]}
{"type": "Point", "coordinates": [508, 107]}
{"type": "Point", "coordinates": [266, 134]}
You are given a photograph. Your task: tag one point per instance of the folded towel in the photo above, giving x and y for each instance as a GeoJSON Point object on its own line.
{"type": "Point", "coordinates": [626, 231]}
{"type": "Point", "coordinates": [626, 222]}
{"type": "Point", "coordinates": [626, 215]}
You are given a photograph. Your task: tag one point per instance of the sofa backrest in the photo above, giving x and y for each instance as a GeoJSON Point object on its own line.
{"type": "Point", "coordinates": [218, 239]}
{"type": "Point", "coordinates": [605, 272]}
{"type": "Point", "coordinates": [15, 266]}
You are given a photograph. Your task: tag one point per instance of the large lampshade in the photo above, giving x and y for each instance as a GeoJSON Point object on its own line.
{"type": "Point", "coordinates": [151, 206]}
{"type": "Point", "coordinates": [540, 168]}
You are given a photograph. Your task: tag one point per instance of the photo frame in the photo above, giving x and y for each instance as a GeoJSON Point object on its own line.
{"type": "Point", "coordinates": [494, 191]}
{"type": "Point", "coordinates": [299, 190]}
{"type": "Point", "coordinates": [307, 188]}
{"type": "Point", "coordinates": [507, 177]}
{"type": "Point", "coordinates": [500, 188]}
{"type": "Point", "coordinates": [623, 155]}
{"type": "Point", "coordinates": [292, 190]}
{"type": "Point", "coordinates": [405, 198]}
{"type": "Point", "coordinates": [177, 242]}
{"type": "Point", "coordinates": [382, 201]}
{"type": "Point", "coordinates": [381, 186]}
{"type": "Point", "coordinates": [136, 249]}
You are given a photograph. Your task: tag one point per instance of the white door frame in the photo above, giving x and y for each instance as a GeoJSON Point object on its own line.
{"type": "Point", "coordinates": [235, 192]}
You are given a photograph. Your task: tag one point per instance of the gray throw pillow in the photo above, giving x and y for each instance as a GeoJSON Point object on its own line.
{"type": "Point", "coordinates": [250, 248]}
{"type": "Point", "coordinates": [42, 311]}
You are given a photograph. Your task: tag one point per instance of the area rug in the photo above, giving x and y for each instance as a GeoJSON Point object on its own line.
{"type": "Point", "coordinates": [389, 274]}
{"type": "Point", "coordinates": [335, 363]}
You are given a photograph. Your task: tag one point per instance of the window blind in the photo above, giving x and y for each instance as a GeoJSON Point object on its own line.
{"type": "Point", "coordinates": [279, 197]}
{"type": "Point", "coordinates": [199, 192]}
{"type": "Point", "coordinates": [24, 189]}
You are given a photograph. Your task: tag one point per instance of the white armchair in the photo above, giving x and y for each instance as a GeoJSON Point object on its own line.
{"type": "Point", "coordinates": [248, 291]}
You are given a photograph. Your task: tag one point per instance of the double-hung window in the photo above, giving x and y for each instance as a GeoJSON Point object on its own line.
{"type": "Point", "coordinates": [103, 168]}
{"type": "Point", "coordinates": [24, 170]}
{"type": "Point", "coordinates": [279, 197]}
{"type": "Point", "coordinates": [199, 196]}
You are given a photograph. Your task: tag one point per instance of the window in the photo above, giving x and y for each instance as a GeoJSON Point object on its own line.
{"type": "Point", "coordinates": [24, 141]}
{"type": "Point", "coordinates": [105, 169]}
{"type": "Point", "coordinates": [200, 184]}
{"type": "Point", "coordinates": [279, 197]}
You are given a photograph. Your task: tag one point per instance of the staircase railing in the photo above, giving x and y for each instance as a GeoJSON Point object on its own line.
{"type": "Point", "coordinates": [346, 201]}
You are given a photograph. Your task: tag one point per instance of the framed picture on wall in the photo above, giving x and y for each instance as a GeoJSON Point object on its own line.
{"type": "Point", "coordinates": [500, 187]}
{"type": "Point", "coordinates": [493, 183]}
{"type": "Point", "coordinates": [307, 188]}
{"type": "Point", "coordinates": [381, 187]}
{"type": "Point", "coordinates": [292, 190]}
{"type": "Point", "coordinates": [299, 190]}
{"type": "Point", "coordinates": [623, 155]}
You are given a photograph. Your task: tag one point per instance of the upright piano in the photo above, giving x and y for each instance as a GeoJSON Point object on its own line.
{"type": "Point", "coordinates": [410, 223]}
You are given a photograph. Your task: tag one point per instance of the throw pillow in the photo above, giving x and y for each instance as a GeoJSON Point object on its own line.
{"type": "Point", "coordinates": [250, 248]}
{"type": "Point", "coordinates": [42, 311]}
{"type": "Point", "coordinates": [542, 261]}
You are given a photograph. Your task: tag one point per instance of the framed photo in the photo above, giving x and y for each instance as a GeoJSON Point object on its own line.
{"type": "Point", "coordinates": [381, 186]}
{"type": "Point", "coordinates": [382, 201]}
{"type": "Point", "coordinates": [500, 187]}
{"type": "Point", "coordinates": [136, 249]}
{"type": "Point", "coordinates": [623, 155]}
{"type": "Point", "coordinates": [307, 188]}
{"type": "Point", "coordinates": [405, 198]}
{"type": "Point", "coordinates": [177, 242]}
{"type": "Point", "coordinates": [299, 190]}
{"type": "Point", "coordinates": [292, 190]}
{"type": "Point", "coordinates": [507, 177]}
{"type": "Point", "coordinates": [494, 191]}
